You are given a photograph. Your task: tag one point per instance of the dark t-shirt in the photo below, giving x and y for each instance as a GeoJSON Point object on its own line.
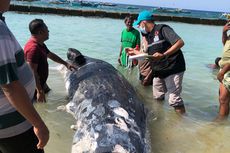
{"type": "Point", "coordinates": [172, 64]}
{"type": "Point", "coordinates": [37, 54]}
{"type": "Point", "coordinates": [169, 35]}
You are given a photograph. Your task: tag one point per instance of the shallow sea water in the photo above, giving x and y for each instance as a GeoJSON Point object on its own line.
{"type": "Point", "coordinates": [100, 38]}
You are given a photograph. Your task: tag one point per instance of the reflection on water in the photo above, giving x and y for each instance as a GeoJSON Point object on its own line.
{"type": "Point", "coordinates": [57, 121]}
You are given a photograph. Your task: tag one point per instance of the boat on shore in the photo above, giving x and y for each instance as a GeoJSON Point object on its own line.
{"type": "Point", "coordinates": [107, 4]}
{"type": "Point", "coordinates": [83, 3]}
{"type": "Point", "coordinates": [58, 2]}
{"type": "Point", "coordinates": [169, 10]}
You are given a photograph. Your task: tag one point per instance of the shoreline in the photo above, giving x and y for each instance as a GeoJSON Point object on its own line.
{"type": "Point", "coordinates": [107, 14]}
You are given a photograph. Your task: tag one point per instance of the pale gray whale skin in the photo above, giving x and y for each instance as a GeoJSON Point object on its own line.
{"type": "Point", "coordinates": [110, 117]}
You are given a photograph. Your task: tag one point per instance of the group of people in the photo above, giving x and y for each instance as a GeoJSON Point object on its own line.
{"type": "Point", "coordinates": [23, 76]}
{"type": "Point", "coordinates": [165, 68]}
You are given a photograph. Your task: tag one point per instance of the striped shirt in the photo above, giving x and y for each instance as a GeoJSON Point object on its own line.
{"type": "Point", "coordinates": [13, 67]}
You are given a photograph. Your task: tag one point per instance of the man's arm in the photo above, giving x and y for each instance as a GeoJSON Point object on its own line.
{"type": "Point", "coordinates": [172, 37]}
{"type": "Point", "coordinates": [119, 57]}
{"type": "Point", "coordinates": [18, 97]}
{"type": "Point", "coordinates": [59, 60]}
{"type": "Point", "coordinates": [40, 93]}
{"type": "Point", "coordinates": [220, 75]}
{"type": "Point", "coordinates": [174, 48]}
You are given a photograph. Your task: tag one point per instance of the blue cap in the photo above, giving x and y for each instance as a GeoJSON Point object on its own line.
{"type": "Point", "coordinates": [144, 15]}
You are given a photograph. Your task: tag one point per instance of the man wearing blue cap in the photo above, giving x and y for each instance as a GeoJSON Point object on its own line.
{"type": "Point", "coordinates": [167, 62]}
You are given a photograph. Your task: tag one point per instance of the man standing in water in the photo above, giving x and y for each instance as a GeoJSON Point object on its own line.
{"type": "Point", "coordinates": [36, 54]}
{"type": "Point", "coordinates": [130, 38]}
{"type": "Point", "coordinates": [167, 62]}
{"type": "Point", "coordinates": [21, 128]}
{"type": "Point", "coordinates": [224, 74]}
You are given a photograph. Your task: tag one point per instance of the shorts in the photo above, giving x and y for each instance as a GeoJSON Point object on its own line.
{"type": "Point", "coordinates": [226, 80]}
{"type": "Point", "coordinates": [171, 84]}
{"type": "Point", "coordinates": [23, 143]}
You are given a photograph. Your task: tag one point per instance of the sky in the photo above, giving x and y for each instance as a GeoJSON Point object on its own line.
{"type": "Point", "coordinates": [206, 5]}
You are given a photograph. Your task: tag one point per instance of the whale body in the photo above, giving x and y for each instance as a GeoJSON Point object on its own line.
{"type": "Point", "coordinates": [110, 117]}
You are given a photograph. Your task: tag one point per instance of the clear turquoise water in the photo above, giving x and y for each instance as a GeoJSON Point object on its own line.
{"type": "Point", "coordinates": [100, 38]}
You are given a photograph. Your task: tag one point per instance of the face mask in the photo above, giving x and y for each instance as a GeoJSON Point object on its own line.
{"type": "Point", "coordinates": [143, 30]}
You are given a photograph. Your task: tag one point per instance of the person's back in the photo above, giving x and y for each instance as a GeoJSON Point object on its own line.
{"type": "Point", "coordinates": [224, 74]}
{"type": "Point", "coordinates": [225, 59]}
{"type": "Point", "coordinates": [25, 76]}
{"type": "Point", "coordinates": [21, 128]}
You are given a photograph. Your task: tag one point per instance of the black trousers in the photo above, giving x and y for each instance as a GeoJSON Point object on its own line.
{"type": "Point", "coordinates": [23, 143]}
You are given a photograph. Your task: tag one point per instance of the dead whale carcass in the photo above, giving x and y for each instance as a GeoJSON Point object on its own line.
{"type": "Point", "coordinates": [109, 115]}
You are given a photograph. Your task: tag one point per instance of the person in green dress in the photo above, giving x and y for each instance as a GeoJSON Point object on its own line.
{"type": "Point", "coordinates": [130, 38]}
